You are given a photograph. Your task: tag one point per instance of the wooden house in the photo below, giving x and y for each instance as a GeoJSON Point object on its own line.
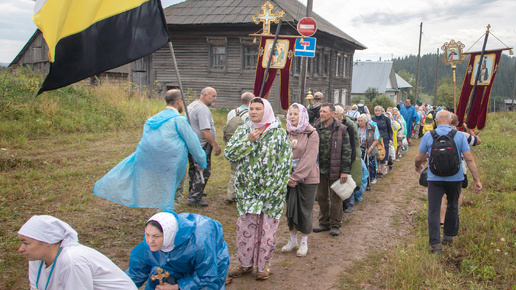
{"type": "Point", "coordinates": [35, 56]}
{"type": "Point", "coordinates": [213, 48]}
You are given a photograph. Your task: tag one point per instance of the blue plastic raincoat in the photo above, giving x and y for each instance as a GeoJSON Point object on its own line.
{"type": "Point", "coordinates": [365, 175]}
{"type": "Point", "coordinates": [409, 113]}
{"type": "Point", "coordinates": [199, 260]}
{"type": "Point", "coordinates": [149, 177]}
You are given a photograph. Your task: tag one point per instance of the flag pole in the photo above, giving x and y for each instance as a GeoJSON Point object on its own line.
{"type": "Point", "coordinates": [478, 73]}
{"type": "Point", "coordinates": [178, 78]}
{"type": "Point", "coordinates": [270, 57]}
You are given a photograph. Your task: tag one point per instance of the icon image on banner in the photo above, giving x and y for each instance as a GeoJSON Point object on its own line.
{"type": "Point", "coordinates": [279, 58]}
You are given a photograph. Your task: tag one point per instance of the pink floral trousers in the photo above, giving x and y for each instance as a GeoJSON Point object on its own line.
{"type": "Point", "coordinates": [256, 239]}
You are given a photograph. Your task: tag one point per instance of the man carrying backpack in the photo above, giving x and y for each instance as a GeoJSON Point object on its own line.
{"type": "Point", "coordinates": [313, 109]}
{"type": "Point", "coordinates": [236, 117]}
{"type": "Point", "coordinates": [445, 176]}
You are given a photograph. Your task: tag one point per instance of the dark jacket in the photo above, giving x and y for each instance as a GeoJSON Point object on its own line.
{"type": "Point", "coordinates": [339, 149]}
{"type": "Point", "coordinates": [384, 128]}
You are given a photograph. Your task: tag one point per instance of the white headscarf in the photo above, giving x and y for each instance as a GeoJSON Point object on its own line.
{"type": "Point", "coordinates": [50, 230]}
{"type": "Point", "coordinates": [168, 223]}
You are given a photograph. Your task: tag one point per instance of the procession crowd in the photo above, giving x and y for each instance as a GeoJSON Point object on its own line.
{"type": "Point", "coordinates": [326, 150]}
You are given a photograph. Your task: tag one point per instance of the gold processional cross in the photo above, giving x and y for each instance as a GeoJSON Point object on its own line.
{"type": "Point", "coordinates": [160, 276]}
{"type": "Point", "coordinates": [267, 17]}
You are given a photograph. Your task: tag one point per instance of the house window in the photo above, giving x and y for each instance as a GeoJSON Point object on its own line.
{"type": "Point", "coordinates": [316, 63]}
{"type": "Point", "coordinates": [337, 66]}
{"type": "Point", "coordinates": [217, 53]}
{"type": "Point", "coordinates": [297, 65]}
{"type": "Point", "coordinates": [326, 63]}
{"type": "Point", "coordinates": [344, 64]}
{"type": "Point", "coordinates": [218, 57]}
{"type": "Point", "coordinates": [250, 57]}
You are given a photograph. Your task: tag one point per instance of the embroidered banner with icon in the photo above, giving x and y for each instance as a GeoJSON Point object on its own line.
{"type": "Point", "coordinates": [281, 61]}
{"type": "Point", "coordinates": [476, 118]}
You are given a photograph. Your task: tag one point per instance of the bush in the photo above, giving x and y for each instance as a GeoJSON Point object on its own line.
{"type": "Point", "coordinates": [383, 101]}
{"type": "Point", "coordinates": [356, 99]}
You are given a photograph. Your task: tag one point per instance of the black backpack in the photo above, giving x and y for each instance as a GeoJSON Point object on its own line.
{"type": "Point", "coordinates": [361, 109]}
{"type": "Point", "coordinates": [444, 157]}
{"type": "Point", "coordinates": [313, 114]}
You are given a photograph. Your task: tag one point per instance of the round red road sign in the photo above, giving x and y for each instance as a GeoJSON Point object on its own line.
{"type": "Point", "coordinates": [307, 26]}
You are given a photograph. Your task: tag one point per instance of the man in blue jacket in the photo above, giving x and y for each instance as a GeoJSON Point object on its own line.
{"type": "Point", "coordinates": [149, 177]}
{"type": "Point", "coordinates": [410, 115]}
{"type": "Point", "coordinates": [189, 247]}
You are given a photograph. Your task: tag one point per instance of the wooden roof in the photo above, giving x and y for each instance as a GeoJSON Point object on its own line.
{"type": "Point", "coordinates": [204, 12]}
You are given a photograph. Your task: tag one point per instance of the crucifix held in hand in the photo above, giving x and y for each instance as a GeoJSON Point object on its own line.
{"type": "Point", "coordinates": [160, 276]}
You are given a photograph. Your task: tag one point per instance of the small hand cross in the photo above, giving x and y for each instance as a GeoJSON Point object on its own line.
{"type": "Point", "coordinates": [160, 276]}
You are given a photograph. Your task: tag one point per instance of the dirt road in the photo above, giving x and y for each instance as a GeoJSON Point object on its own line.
{"type": "Point", "coordinates": [383, 218]}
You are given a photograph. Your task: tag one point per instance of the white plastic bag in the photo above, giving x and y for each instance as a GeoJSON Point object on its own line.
{"type": "Point", "coordinates": [345, 190]}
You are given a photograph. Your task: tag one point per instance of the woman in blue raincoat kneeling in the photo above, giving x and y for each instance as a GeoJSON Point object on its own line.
{"type": "Point", "coordinates": [190, 247]}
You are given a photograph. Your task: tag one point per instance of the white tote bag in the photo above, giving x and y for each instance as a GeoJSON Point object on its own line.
{"type": "Point", "coordinates": [345, 190]}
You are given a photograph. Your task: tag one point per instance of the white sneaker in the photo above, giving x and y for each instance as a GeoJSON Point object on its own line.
{"type": "Point", "coordinates": [373, 182]}
{"type": "Point", "coordinates": [289, 247]}
{"type": "Point", "coordinates": [303, 249]}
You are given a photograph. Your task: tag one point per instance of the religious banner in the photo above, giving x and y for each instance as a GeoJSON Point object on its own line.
{"type": "Point", "coordinates": [281, 61]}
{"type": "Point", "coordinates": [479, 101]}
{"type": "Point", "coordinates": [87, 37]}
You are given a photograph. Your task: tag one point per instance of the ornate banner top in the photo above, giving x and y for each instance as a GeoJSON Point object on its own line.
{"type": "Point", "coordinates": [267, 17]}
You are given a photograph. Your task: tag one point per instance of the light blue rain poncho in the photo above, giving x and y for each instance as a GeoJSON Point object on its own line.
{"type": "Point", "coordinates": [196, 257]}
{"type": "Point", "coordinates": [149, 177]}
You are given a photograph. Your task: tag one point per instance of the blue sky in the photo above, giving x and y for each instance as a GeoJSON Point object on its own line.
{"type": "Point", "coordinates": [389, 28]}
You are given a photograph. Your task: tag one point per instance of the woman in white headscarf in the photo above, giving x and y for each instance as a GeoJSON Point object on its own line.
{"type": "Point", "coordinates": [264, 156]}
{"type": "Point", "coordinates": [302, 185]}
{"type": "Point", "coordinates": [189, 247]}
{"type": "Point", "coordinates": [58, 261]}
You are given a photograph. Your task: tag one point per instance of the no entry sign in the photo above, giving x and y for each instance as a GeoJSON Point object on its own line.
{"type": "Point", "coordinates": [307, 26]}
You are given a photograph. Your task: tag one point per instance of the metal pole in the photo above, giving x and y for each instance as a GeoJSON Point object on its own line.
{"type": "Point", "coordinates": [436, 76]}
{"type": "Point", "coordinates": [418, 58]}
{"type": "Point", "coordinates": [270, 57]}
{"type": "Point", "coordinates": [178, 78]}
{"type": "Point", "coordinates": [454, 68]}
{"type": "Point", "coordinates": [514, 88]}
{"type": "Point", "coordinates": [478, 73]}
{"type": "Point", "coordinates": [304, 62]}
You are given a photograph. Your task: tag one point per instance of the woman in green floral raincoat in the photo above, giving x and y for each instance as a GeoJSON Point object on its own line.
{"type": "Point", "coordinates": [264, 156]}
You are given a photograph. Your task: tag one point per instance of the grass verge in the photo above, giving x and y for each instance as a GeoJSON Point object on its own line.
{"type": "Point", "coordinates": [483, 256]}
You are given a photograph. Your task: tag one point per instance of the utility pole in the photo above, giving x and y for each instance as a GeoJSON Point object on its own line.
{"type": "Point", "coordinates": [436, 76]}
{"type": "Point", "coordinates": [304, 62]}
{"type": "Point", "coordinates": [514, 88]}
{"type": "Point", "coordinates": [418, 57]}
